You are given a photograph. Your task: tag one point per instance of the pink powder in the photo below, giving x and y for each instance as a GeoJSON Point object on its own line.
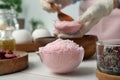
{"type": "Point", "coordinates": [69, 27]}
{"type": "Point", "coordinates": [61, 56]}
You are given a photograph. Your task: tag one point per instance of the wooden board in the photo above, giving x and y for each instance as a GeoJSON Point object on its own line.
{"type": "Point", "coordinates": [29, 47]}
{"type": "Point", "coordinates": [15, 64]}
{"type": "Point", "coordinates": [103, 76]}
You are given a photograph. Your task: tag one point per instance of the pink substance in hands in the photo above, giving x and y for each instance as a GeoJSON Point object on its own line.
{"type": "Point", "coordinates": [61, 56]}
{"type": "Point", "coordinates": [68, 27]}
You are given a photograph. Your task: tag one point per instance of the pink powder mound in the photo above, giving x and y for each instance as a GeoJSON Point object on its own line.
{"type": "Point", "coordinates": [68, 27]}
{"type": "Point", "coordinates": [61, 56]}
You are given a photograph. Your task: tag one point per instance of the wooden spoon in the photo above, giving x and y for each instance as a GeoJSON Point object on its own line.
{"type": "Point", "coordinates": [62, 16]}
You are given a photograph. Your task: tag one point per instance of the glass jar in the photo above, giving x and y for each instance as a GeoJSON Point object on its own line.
{"type": "Point", "coordinates": [8, 23]}
{"type": "Point", "coordinates": [108, 56]}
{"type": "Point", "coordinates": [7, 42]}
{"type": "Point", "coordinates": [8, 19]}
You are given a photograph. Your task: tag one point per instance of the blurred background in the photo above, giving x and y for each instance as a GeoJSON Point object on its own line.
{"type": "Point", "coordinates": [33, 14]}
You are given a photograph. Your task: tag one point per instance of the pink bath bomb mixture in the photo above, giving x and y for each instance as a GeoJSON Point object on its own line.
{"type": "Point", "coordinates": [61, 56]}
{"type": "Point", "coordinates": [68, 27]}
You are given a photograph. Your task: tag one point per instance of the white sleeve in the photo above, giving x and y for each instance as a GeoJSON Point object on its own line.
{"type": "Point", "coordinates": [74, 1]}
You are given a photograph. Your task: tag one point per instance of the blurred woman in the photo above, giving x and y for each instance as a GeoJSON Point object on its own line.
{"type": "Point", "coordinates": [98, 17]}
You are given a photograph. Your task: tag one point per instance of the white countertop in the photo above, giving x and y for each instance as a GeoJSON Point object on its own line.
{"type": "Point", "coordinates": [37, 71]}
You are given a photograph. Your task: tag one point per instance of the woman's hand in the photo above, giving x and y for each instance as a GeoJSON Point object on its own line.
{"type": "Point", "coordinates": [95, 13]}
{"type": "Point", "coordinates": [59, 3]}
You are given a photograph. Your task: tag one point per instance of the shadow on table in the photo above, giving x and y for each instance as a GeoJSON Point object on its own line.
{"type": "Point", "coordinates": [82, 71]}
{"type": "Point", "coordinates": [32, 66]}
{"type": "Point", "coordinates": [94, 57]}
